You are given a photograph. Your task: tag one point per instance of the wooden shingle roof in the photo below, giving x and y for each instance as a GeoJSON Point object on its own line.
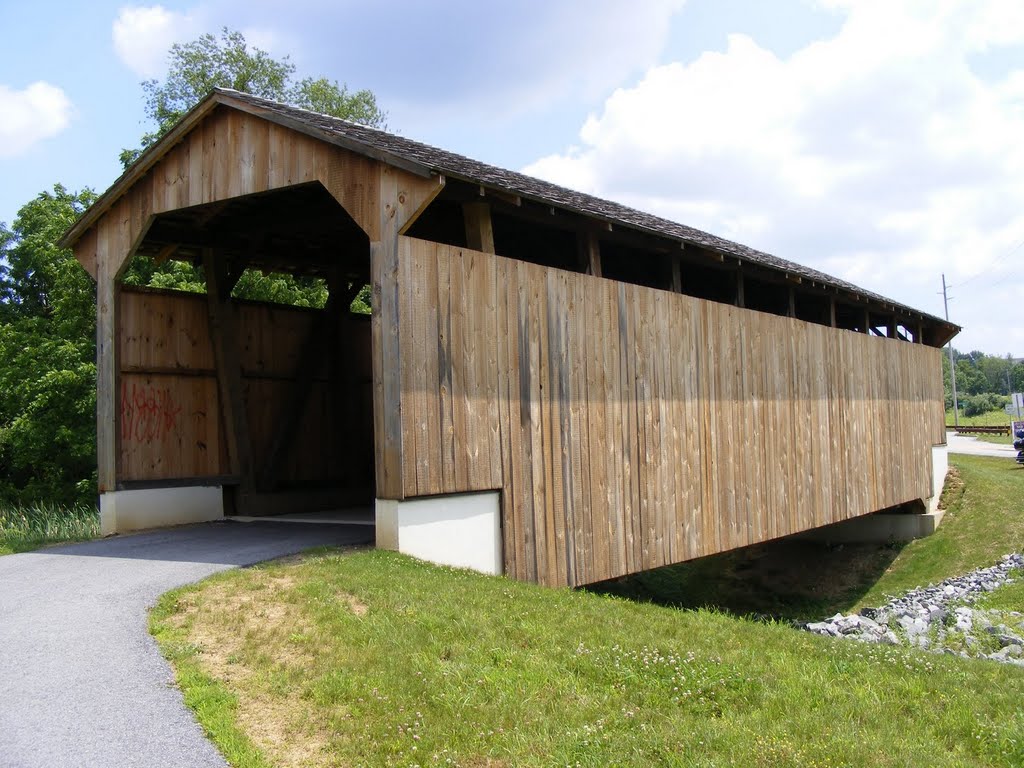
{"type": "Point", "coordinates": [433, 159]}
{"type": "Point", "coordinates": [425, 159]}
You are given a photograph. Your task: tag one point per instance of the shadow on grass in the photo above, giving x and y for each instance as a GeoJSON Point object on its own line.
{"type": "Point", "coordinates": [784, 579]}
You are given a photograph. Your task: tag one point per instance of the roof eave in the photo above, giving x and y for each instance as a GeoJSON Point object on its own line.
{"type": "Point", "coordinates": [153, 154]}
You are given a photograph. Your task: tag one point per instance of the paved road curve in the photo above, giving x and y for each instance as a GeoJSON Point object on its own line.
{"type": "Point", "coordinates": [973, 446]}
{"type": "Point", "coordinates": [81, 681]}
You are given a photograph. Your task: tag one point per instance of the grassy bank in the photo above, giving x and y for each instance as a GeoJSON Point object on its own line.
{"type": "Point", "coordinates": [983, 522]}
{"type": "Point", "coordinates": [371, 658]}
{"type": "Point", "coordinates": [27, 528]}
{"type": "Point", "coordinates": [376, 659]}
{"type": "Point", "coordinates": [994, 418]}
{"type": "Point", "coordinates": [803, 580]}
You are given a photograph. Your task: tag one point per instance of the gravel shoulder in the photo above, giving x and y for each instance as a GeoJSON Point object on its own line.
{"type": "Point", "coordinates": [81, 681]}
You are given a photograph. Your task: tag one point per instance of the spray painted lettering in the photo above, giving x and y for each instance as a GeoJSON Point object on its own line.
{"type": "Point", "coordinates": [147, 413]}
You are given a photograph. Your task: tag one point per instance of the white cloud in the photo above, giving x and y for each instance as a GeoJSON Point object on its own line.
{"type": "Point", "coordinates": [38, 112]}
{"type": "Point", "coordinates": [878, 155]}
{"type": "Point", "coordinates": [144, 34]}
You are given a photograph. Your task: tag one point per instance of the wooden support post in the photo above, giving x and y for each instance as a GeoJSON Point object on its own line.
{"type": "Point", "coordinates": [590, 253]}
{"type": "Point", "coordinates": [224, 337]}
{"type": "Point", "coordinates": [867, 320]}
{"type": "Point", "coordinates": [832, 311]}
{"type": "Point", "coordinates": [479, 231]}
{"type": "Point", "coordinates": [919, 334]}
{"type": "Point", "coordinates": [677, 272]}
{"type": "Point", "coordinates": [108, 395]}
{"type": "Point", "coordinates": [791, 312]}
{"type": "Point", "coordinates": [741, 298]}
{"type": "Point", "coordinates": [312, 357]}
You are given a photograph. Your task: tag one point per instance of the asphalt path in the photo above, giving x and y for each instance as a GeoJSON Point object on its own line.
{"type": "Point", "coordinates": [81, 681]}
{"type": "Point", "coordinates": [974, 447]}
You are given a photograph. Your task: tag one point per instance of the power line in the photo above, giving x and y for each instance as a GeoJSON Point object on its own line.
{"type": "Point", "coordinates": [988, 269]}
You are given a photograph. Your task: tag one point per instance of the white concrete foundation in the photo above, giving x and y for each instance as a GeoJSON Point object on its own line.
{"type": "Point", "coordinates": [462, 530]}
{"type": "Point", "coordinates": [940, 466]}
{"type": "Point", "coordinates": [122, 511]}
{"type": "Point", "coordinates": [878, 528]}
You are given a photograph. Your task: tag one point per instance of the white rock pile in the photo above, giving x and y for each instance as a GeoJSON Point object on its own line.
{"type": "Point", "coordinates": [939, 617]}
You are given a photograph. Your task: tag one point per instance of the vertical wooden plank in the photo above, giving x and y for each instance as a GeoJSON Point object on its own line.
{"type": "Point", "coordinates": [548, 433]}
{"type": "Point", "coordinates": [458, 331]}
{"type": "Point", "coordinates": [519, 426]}
{"type": "Point", "coordinates": [444, 358]}
{"type": "Point", "coordinates": [416, 457]}
{"type": "Point", "coordinates": [107, 384]}
{"type": "Point", "coordinates": [558, 429]}
{"type": "Point", "coordinates": [489, 355]}
{"type": "Point", "coordinates": [532, 313]}
{"type": "Point", "coordinates": [630, 430]}
{"type": "Point", "coordinates": [387, 363]}
{"type": "Point", "coordinates": [580, 434]}
{"type": "Point", "coordinates": [597, 410]}
{"type": "Point", "coordinates": [510, 527]}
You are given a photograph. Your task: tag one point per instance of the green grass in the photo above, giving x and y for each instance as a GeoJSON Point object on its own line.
{"type": "Point", "coordinates": [376, 659]}
{"type": "Point", "coordinates": [371, 658]}
{"type": "Point", "coordinates": [983, 522]}
{"type": "Point", "coordinates": [805, 580]}
{"type": "Point", "coordinates": [996, 418]}
{"type": "Point", "coordinates": [1009, 597]}
{"type": "Point", "coordinates": [26, 528]}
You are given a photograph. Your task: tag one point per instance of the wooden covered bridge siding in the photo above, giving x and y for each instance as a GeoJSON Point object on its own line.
{"type": "Point", "coordinates": [630, 428]}
{"type": "Point", "coordinates": [220, 156]}
{"type": "Point", "coordinates": [170, 421]}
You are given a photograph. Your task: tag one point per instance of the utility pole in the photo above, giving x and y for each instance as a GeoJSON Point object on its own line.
{"type": "Point", "coordinates": [952, 367]}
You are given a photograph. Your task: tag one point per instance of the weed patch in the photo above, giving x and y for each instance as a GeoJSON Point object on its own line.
{"type": "Point", "coordinates": [26, 528]}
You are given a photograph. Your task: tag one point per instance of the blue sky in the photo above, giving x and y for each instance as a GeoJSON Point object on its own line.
{"type": "Point", "coordinates": [876, 141]}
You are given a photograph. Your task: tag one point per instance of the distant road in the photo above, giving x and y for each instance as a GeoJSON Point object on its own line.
{"type": "Point", "coordinates": [975, 447]}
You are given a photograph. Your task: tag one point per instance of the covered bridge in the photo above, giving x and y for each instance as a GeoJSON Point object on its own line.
{"type": "Point", "coordinates": [551, 385]}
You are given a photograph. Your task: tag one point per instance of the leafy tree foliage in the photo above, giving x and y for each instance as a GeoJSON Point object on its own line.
{"type": "Point", "coordinates": [47, 301]}
{"type": "Point", "coordinates": [975, 405]}
{"type": "Point", "coordinates": [982, 381]}
{"type": "Point", "coordinates": [227, 61]}
{"type": "Point", "coordinates": [47, 353]}
{"type": "Point", "coordinates": [1017, 377]}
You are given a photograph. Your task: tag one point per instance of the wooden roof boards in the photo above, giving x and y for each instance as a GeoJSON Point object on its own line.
{"type": "Point", "coordinates": [423, 159]}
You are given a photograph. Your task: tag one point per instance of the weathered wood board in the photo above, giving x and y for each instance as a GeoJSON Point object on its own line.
{"type": "Point", "coordinates": [629, 427]}
{"type": "Point", "coordinates": [170, 424]}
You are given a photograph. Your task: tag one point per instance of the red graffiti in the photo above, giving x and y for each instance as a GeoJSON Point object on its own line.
{"type": "Point", "coordinates": [147, 413]}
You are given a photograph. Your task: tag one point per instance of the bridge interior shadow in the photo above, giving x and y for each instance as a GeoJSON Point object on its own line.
{"type": "Point", "coordinates": [785, 579]}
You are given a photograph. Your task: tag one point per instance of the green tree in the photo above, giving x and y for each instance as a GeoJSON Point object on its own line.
{"type": "Point", "coordinates": [1017, 377]}
{"type": "Point", "coordinates": [227, 61]}
{"type": "Point", "coordinates": [994, 369]}
{"type": "Point", "coordinates": [47, 353]}
{"type": "Point", "coordinates": [969, 380]}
